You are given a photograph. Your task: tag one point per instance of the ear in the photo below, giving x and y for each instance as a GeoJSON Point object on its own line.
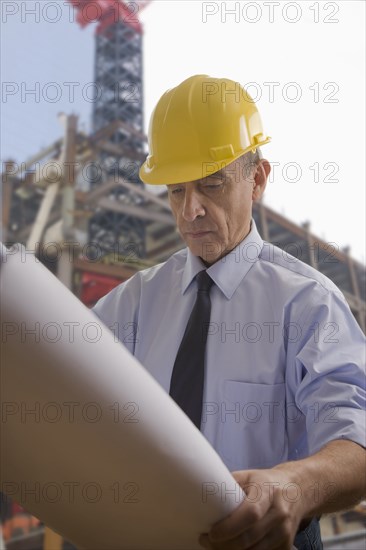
{"type": "Point", "coordinates": [260, 179]}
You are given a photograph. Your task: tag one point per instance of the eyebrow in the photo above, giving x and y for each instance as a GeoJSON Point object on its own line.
{"type": "Point", "coordinates": [218, 174]}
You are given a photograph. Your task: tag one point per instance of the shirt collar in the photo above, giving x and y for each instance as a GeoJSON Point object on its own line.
{"type": "Point", "coordinates": [228, 272]}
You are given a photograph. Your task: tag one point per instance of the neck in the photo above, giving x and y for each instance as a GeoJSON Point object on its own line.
{"type": "Point", "coordinates": [228, 250]}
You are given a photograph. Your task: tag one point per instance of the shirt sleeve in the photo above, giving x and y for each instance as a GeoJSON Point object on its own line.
{"type": "Point", "coordinates": [118, 310]}
{"type": "Point", "coordinates": [327, 366]}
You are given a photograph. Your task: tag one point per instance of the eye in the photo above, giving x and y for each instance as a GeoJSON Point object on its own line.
{"type": "Point", "coordinates": [176, 190]}
{"type": "Point", "coordinates": [213, 182]}
{"type": "Point", "coordinates": [213, 186]}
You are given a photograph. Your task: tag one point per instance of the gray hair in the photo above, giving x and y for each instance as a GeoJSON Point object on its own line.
{"type": "Point", "coordinates": [250, 160]}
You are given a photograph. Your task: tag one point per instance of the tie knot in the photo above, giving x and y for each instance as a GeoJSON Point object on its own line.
{"type": "Point", "coordinates": [204, 281]}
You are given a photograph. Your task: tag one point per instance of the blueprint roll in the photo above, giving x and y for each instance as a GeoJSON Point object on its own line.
{"type": "Point", "coordinates": [91, 444]}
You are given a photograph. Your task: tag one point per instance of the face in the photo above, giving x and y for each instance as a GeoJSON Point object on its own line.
{"type": "Point", "coordinates": [213, 214]}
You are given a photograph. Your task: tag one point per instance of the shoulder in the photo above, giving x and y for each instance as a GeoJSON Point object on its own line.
{"type": "Point", "coordinates": [293, 272]}
{"type": "Point", "coordinates": [299, 289]}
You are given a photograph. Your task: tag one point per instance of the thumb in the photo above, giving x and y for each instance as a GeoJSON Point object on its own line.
{"type": "Point", "coordinates": [246, 480]}
{"type": "Point", "coordinates": [242, 476]}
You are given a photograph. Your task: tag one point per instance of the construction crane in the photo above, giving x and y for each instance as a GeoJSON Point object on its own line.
{"type": "Point", "coordinates": [119, 101]}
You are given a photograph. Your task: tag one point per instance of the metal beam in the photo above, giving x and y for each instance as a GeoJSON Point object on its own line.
{"type": "Point", "coordinates": [6, 204]}
{"type": "Point", "coordinates": [135, 211]}
{"type": "Point", "coordinates": [97, 193]}
{"type": "Point", "coordinates": [35, 158]}
{"type": "Point", "coordinates": [68, 190]}
{"type": "Point", "coordinates": [119, 151]}
{"type": "Point", "coordinates": [144, 193]}
{"type": "Point", "coordinates": [111, 184]}
{"type": "Point", "coordinates": [42, 216]}
{"type": "Point", "coordinates": [112, 127]}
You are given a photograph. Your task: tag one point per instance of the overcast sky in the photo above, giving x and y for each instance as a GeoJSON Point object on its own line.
{"type": "Point", "coordinates": [302, 61]}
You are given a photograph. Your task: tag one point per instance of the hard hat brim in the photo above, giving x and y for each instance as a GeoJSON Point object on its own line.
{"type": "Point", "coordinates": [184, 172]}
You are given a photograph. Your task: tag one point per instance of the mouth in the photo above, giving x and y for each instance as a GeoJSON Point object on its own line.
{"type": "Point", "coordinates": [198, 234]}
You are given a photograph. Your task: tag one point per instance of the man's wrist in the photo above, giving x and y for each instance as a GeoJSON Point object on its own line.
{"type": "Point", "coordinates": [305, 489]}
{"type": "Point", "coordinates": [324, 484]}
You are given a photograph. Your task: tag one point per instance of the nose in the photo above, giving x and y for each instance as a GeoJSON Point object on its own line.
{"type": "Point", "coordinates": [192, 205]}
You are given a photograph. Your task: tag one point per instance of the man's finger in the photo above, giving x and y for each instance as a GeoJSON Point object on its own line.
{"type": "Point", "coordinates": [241, 519]}
{"type": "Point", "coordinates": [268, 527]}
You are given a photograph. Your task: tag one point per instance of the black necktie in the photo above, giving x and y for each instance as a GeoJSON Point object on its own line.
{"type": "Point", "coordinates": [186, 385]}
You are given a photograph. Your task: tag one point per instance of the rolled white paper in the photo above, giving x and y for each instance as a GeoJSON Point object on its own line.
{"type": "Point", "coordinates": [91, 444]}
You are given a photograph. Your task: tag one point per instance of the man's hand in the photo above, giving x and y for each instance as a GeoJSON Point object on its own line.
{"type": "Point", "coordinates": [279, 498]}
{"type": "Point", "coordinates": [268, 518]}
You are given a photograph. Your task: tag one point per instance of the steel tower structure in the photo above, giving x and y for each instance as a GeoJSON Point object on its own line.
{"type": "Point", "coordinates": [117, 119]}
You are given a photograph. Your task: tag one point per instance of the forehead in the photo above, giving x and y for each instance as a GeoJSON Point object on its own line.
{"type": "Point", "coordinates": [222, 174]}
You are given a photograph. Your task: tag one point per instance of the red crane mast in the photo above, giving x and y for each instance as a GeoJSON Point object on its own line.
{"type": "Point", "coordinates": [108, 12]}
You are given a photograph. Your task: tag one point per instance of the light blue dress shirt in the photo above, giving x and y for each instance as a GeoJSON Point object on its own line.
{"type": "Point", "coordinates": [284, 367]}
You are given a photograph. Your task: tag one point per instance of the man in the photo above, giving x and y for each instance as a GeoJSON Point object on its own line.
{"type": "Point", "coordinates": [283, 398]}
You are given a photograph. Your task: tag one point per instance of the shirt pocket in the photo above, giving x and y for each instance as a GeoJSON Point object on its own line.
{"type": "Point", "coordinates": [253, 425]}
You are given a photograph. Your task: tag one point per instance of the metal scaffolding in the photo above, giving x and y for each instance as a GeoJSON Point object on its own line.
{"type": "Point", "coordinates": [118, 79]}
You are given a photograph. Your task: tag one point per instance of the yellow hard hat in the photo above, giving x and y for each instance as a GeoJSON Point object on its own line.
{"type": "Point", "coordinates": [199, 127]}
